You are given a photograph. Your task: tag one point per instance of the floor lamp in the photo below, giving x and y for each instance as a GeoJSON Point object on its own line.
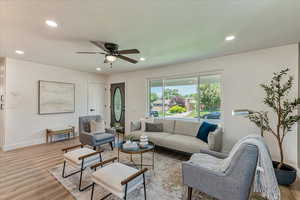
{"type": "Point", "coordinates": [246, 112]}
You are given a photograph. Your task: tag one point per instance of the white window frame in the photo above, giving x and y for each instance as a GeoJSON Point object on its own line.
{"type": "Point", "coordinates": [198, 76]}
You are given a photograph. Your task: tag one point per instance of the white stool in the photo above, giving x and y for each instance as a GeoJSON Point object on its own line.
{"type": "Point", "coordinates": [118, 179]}
{"type": "Point", "coordinates": [80, 158]}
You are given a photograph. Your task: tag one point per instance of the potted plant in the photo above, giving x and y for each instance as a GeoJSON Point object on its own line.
{"type": "Point", "coordinates": [278, 99]}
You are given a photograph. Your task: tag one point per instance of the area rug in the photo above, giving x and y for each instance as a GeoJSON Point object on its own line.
{"type": "Point", "coordinates": [162, 183]}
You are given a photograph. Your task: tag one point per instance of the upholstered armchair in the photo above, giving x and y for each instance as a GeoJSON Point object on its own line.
{"type": "Point", "coordinates": [94, 139]}
{"type": "Point", "coordinates": [234, 183]}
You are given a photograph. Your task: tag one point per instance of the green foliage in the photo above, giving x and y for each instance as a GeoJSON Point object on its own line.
{"type": "Point", "coordinates": [277, 98]}
{"type": "Point", "coordinates": [210, 96]}
{"type": "Point", "coordinates": [177, 109]}
{"type": "Point", "coordinates": [131, 137]}
{"type": "Point", "coordinates": [153, 97]}
{"type": "Point", "coordinates": [169, 93]}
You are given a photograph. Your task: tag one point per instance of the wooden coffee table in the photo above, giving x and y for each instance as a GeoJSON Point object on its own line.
{"type": "Point", "coordinates": [149, 148]}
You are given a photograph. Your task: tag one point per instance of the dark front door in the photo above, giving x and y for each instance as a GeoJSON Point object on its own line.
{"type": "Point", "coordinates": [117, 106]}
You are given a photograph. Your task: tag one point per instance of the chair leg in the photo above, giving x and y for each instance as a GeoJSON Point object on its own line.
{"type": "Point", "coordinates": [80, 180]}
{"type": "Point", "coordinates": [92, 193]}
{"type": "Point", "coordinates": [100, 157]}
{"type": "Point", "coordinates": [111, 145]}
{"type": "Point", "coordinates": [144, 182]}
{"type": "Point", "coordinates": [63, 172]}
{"type": "Point", "coordinates": [106, 196]}
{"type": "Point", "coordinates": [125, 197]}
{"type": "Point", "coordinates": [190, 190]}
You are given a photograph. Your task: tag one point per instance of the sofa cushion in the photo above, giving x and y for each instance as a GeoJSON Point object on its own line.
{"type": "Point", "coordinates": [155, 137]}
{"type": "Point", "coordinates": [159, 138]}
{"type": "Point", "coordinates": [205, 129]}
{"type": "Point", "coordinates": [101, 137]}
{"type": "Point", "coordinates": [144, 121]}
{"type": "Point", "coordinates": [185, 143]}
{"type": "Point", "coordinates": [154, 127]}
{"type": "Point", "coordinates": [135, 125]}
{"type": "Point", "coordinates": [186, 128]}
{"type": "Point", "coordinates": [168, 125]}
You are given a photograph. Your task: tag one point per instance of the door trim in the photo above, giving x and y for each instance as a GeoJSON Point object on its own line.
{"type": "Point", "coordinates": [111, 100]}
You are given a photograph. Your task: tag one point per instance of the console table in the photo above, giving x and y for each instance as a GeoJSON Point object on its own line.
{"type": "Point", "coordinates": [60, 131]}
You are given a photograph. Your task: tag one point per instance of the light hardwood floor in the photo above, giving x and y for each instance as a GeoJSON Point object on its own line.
{"type": "Point", "coordinates": [24, 175]}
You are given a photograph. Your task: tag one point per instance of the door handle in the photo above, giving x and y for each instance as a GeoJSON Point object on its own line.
{"type": "Point", "coordinates": [92, 110]}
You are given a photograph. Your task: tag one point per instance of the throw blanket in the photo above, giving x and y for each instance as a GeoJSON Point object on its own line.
{"type": "Point", "coordinates": [265, 180]}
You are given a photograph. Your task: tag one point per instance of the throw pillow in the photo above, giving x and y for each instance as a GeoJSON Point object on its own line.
{"type": "Point", "coordinates": [144, 121]}
{"type": "Point", "coordinates": [97, 126]}
{"type": "Point", "coordinates": [204, 130]}
{"type": "Point", "coordinates": [154, 127]}
{"type": "Point", "coordinates": [86, 127]}
{"type": "Point", "coordinates": [135, 125]}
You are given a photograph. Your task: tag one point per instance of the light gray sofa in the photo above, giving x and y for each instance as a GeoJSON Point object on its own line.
{"type": "Point", "coordinates": [180, 135]}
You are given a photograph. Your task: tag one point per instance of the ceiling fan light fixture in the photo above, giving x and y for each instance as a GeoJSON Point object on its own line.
{"type": "Point", "coordinates": [142, 59]}
{"type": "Point", "coordinates": [230, 38]}
{"type": "Point", "coordinates": [111, 58]}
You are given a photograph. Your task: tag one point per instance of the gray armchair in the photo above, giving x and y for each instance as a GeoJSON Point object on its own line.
{"type": "Point", "coordinates": [94, 139]}
{"type": "Point", "coordinates": [235, 183]}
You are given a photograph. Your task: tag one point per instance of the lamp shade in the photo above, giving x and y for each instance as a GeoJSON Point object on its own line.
{"type": "Point", "coordinates": [241, 112]}
{"type": "Point", "coordinates": [111, 58]}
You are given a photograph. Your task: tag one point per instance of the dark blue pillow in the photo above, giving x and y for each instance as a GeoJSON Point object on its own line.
{"type": "Point", "coordinates": [204, 130]}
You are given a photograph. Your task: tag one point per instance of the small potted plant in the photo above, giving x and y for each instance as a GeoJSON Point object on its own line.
{"type": "Point", "coordinates": [278, 99]}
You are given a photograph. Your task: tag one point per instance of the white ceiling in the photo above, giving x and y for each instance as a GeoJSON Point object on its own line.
{"type": "Point", "coordinates": [164, 31]}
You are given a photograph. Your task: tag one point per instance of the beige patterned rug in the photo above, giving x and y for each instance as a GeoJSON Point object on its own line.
{"type": "Point", "coordinates": [163, 183]}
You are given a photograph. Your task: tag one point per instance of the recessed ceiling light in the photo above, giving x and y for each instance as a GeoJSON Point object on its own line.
{"type": "Point", "coordinates": [98, 69]}
{"type": "Point", "coordinates": [230, 37]}
{"type": "Point", "coordinates": [19, 52]}
{"type": "Point", "coordinates": [142, 59]}
{"type": "Point", "coordinates": [51, 23]}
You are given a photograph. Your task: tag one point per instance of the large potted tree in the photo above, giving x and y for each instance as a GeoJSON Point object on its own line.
{"type": "Point", "coordinates": [278, 98]}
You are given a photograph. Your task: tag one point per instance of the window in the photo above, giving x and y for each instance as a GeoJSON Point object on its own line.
{"type": "Point", "coordinates": [190, 98]}
{"type": "Point", "coordinates": [156, 98]}
{"type": "Point", "coordinates": [210, 98]}
{"type": "Point", "coordinates": [180, 98]}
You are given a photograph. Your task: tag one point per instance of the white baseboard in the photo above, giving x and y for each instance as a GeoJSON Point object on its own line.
{"type": "Point", "coordinates": [9, 147]}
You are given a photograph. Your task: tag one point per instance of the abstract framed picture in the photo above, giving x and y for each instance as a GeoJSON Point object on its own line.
{"type": "Point", "coordinates": [56, 97]}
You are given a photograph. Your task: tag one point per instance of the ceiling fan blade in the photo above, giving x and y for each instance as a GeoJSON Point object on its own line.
{"type": "Point", "coordinates": [100, 44]}
{"type": "Point", "coordinates": [129, 51]}
{"type": "Point", "coordinates": [127, 59]}
{"type": "Point", "coordinates": [87, 52]}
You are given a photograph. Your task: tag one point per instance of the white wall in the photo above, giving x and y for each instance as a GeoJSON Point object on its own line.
{"type": "Point", "coordinates": [23, 125]}
{"type": "Point", "coordinates": [241, 75]}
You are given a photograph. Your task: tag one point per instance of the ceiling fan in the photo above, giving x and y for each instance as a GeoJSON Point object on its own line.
{"type": "Point", "coordinates": [111, 52]}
